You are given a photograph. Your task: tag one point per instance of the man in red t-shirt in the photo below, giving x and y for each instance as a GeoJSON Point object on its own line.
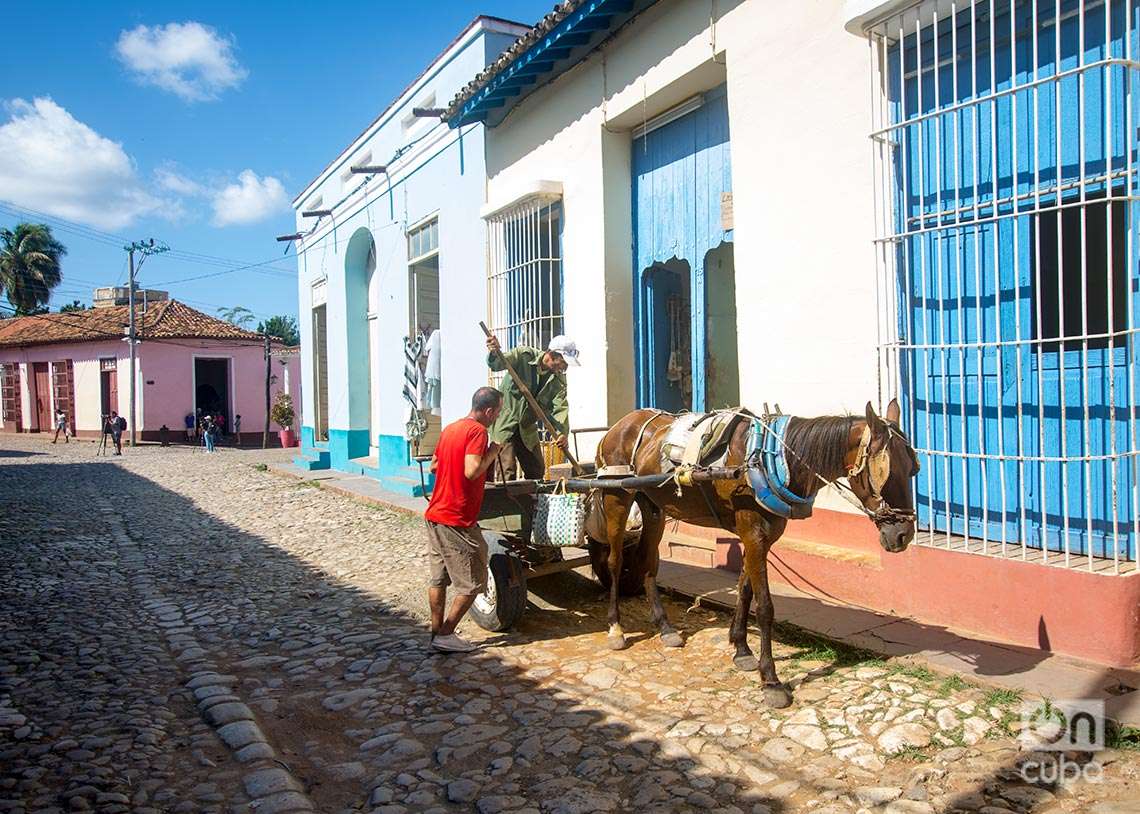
{"type": "Point", "coordinates": [457, 552]}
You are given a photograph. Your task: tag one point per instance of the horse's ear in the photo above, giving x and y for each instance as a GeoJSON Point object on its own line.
{"type": "Point", "coordinates": [893, 411]}
{"type": "Point", "coordinates": [873, 420]}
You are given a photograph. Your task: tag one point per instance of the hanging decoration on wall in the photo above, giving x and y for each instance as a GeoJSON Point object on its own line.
{"type": "Point", "coordinates": [416, 426]}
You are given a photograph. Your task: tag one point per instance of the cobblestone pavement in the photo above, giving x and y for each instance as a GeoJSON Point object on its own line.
{"type": "Point", "coordinates": [183, 632]}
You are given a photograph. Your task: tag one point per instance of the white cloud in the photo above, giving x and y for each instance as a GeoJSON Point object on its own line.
{"type": "Point", "coordinates": [190, 60]}
{"type": "Point", "coordinates": [249, 200]}
{"type": "Point", "coordinates": [52, 162]}
{"type": "Point", "coordinates": [172, 180]}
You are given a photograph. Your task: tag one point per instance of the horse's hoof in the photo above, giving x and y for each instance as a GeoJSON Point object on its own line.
{"type": "Point", "coordinates": [746, 663]}
{"type": "Point", "coordinates": [776, 696]}
{"type": "Point", "coordinates": [672, 639]}
{"type": "Point", "coordinates": [616, 642]}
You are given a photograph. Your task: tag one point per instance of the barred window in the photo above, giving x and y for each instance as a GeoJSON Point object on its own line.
{"type": "Point", "coordinates": [524, 273]}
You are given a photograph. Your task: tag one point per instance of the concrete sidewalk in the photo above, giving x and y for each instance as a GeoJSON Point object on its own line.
{"type": "Point", "coordinates": [941, 649]}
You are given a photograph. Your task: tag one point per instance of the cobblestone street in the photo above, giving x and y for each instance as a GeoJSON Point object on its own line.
{"type": "Point", "coordinates": [187, 632]}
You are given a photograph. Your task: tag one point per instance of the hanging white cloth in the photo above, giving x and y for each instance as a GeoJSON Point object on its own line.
{"type": "Point", "coordinates": [431, 371]}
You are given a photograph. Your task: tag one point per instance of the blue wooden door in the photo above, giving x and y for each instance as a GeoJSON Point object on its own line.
{"type": "Point", "coordinates": [1017, 277]}
{"type": "Point", "coordinates": [680, 173]}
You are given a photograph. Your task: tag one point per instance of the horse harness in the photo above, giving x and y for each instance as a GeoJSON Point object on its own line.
{"type": "Point", "coordinates": [768, 471]}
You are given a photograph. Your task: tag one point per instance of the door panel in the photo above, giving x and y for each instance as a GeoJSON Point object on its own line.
{"type": "Point", "coordinates": [681, 171]}
{"type": "Point", "coordinates": [42, 396]}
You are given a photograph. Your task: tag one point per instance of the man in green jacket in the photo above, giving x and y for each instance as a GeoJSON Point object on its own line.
{"type": "Point", "coordinates": [516, 428]}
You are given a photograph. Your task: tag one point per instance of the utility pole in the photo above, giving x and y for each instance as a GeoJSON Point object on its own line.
{"type": "Point", "coordinates": [268, 376]}
{"type": "Point", "coordinates": [145, 248]}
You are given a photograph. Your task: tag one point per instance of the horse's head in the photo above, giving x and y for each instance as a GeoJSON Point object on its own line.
{"type": "Point", "coordinates": [880, 477]}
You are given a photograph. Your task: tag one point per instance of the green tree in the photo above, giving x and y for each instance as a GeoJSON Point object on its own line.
{"type": "Point", "coordinates": [74, 305]}
{"type": "Point", "coordinates": [29, 265]}
{"type": "Point", "coordinates": [283, 327]}
{"type": "Point", "coordinates": [238, 315]}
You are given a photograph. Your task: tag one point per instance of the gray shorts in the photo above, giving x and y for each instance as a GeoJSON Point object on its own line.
{"type": "Point", "coordinates": [457, 557]}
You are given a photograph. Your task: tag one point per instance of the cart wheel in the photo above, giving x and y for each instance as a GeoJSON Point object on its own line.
{"type": "Point", "coordinates": [632, 579]}
{"type": "Point", "coordinates": [502, 604]}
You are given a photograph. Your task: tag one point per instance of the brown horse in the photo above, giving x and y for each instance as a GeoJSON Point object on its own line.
{"type": "Point", "coordinates": [879, 465]}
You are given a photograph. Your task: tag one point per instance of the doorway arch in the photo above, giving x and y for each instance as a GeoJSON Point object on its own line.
{"type": "Point", "coordinates": [359, 266]}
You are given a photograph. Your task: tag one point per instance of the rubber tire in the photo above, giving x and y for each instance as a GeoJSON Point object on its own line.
{"type": "Point", "coordinates": [510, 600]}
{"type": "Point", "coordinates": [632, 579]}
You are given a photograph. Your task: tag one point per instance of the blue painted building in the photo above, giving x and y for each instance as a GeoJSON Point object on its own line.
{"type": "Point", "coordinates": [1006, 147]}
{"type": "Point", "coordinates": [391, 250]}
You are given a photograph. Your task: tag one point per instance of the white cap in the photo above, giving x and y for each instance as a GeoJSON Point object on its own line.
{"type": "Point", "coordinates": [565, 347]}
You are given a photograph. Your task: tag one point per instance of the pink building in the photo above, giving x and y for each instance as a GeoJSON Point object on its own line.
{"type": "Point", "coordinates": [79, 362]}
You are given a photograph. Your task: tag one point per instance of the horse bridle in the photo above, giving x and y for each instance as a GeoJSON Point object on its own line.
{"type": "Point", "coordinates": [876, 469]}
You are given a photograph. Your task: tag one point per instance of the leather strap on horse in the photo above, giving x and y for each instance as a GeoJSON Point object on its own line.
{"type": "Point", "coordinates": [641, 435]}
{"type": "Point", "coordinates": [884, 513]}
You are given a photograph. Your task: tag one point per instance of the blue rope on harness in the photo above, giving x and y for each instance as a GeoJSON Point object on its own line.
{"type": "Point", "coordinates": [768, 471]}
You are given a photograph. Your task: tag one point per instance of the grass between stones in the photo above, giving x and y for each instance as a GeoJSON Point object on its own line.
{"type": "Point", "coordinates": [952, 684]}
{"type": "Point", "coordinates": [1124, 738]}
{"type": "Point", "coordinates": [813, 647]}
{"type": "Point", "coordinates": [1003, 699]}
{"type": "Point", "coordinates": [911, 754]}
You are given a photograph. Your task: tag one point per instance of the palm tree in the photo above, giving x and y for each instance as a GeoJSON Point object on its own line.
{"type": "Point", "coordinates": [238, 315]}
{"type": "Point", "coordinates": [29, 265]}
{"type": "Point", "coordinates": [283, 327]}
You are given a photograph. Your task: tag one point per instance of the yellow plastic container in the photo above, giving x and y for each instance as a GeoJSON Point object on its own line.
{"type": "Point", "coordinates": [552, 455]}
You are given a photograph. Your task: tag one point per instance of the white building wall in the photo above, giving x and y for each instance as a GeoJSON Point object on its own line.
{"type": "Point", "coordinates": [798, 117]}
{"type": "Point", "coordinates": [439, 172]}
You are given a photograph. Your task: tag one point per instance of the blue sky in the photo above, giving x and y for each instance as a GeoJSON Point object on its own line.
{"type": "Point", "coordinates": [196, 124]}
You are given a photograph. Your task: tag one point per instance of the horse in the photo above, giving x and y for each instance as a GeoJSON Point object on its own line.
{"type": "Point", "coordinates": [871, 452]}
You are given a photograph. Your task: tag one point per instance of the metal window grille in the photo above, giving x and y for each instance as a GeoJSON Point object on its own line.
{"type": "Point", "coordinates": [524, 273]}
{"type": "Point", "coordinates": [10, 394]}
{"type": "Point", "coordinates": [1005, 215]}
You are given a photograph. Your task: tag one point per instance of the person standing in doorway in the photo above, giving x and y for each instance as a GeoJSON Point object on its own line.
{"type": "Point", "coordinates": [516, 429]}
{"type": "Point", "coordinates": [457, 552]}
{"type": "Point", "coordinates": [209, 432]}
{"type": "Point", "coordinates": [61, 426]}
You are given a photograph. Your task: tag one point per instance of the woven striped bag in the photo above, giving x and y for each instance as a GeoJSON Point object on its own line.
{"type": "Point", "coordinates": [559, 519]}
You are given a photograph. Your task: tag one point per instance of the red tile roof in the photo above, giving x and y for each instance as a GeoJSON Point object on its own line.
{"type": "Point", "coordinates": [164, 320]}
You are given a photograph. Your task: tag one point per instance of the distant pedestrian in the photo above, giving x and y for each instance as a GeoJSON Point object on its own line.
{"type": "Point", "coordinates": [457, 552]}
{"type": "Point", "coordinates": [61, 426]}
{"type": "Point", "coordinates": [115, 425]}
{"type": "Point", "coordinates": [209, 428]}
{"type": "Point", "coordinates": [189, 421]}
{"type": "Point", "coordinates": [237, 429]}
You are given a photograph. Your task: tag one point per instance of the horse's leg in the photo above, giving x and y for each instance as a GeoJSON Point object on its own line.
{"type": "Point", "coordinates": [776, 695]}
{"type": "Point", "coordinates": [616, 508]}
{"type": "Point", "coordinates": [752, 540]}
{"type": "Point", "coordinates": [738, 633]}
{"type": "Point", "coordinates": [652, 529]}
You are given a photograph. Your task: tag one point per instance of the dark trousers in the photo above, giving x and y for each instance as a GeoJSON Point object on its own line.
{"type": "Point", "coordinates": [516, 454]}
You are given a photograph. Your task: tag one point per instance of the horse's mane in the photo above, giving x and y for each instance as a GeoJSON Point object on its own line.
{"type": "Point", "coordinates": [817, 445]}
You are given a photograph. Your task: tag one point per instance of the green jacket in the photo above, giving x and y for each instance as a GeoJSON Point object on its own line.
{"type": "Point", "coordinates": [547, 387]}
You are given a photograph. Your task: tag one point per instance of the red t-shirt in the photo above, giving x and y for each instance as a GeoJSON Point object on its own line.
{"type": "Point", "coordinates": [455, 501]}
